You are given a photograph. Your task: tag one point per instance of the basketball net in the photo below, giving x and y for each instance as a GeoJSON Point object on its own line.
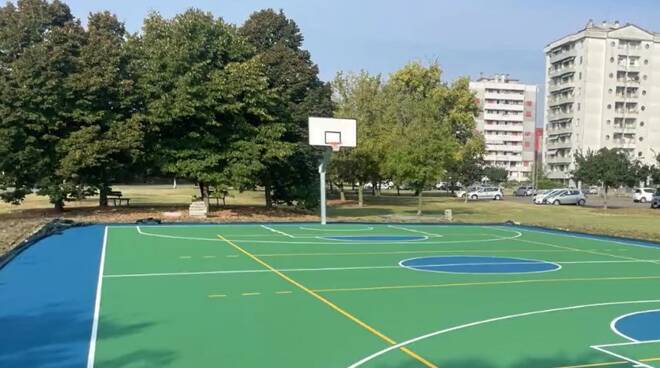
{"type": "Point", "coordinates": [335, 146]}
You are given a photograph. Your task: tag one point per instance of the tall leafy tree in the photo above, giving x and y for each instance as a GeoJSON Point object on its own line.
{"type": "Point", "coordinates": [468, 166]}
{"type": "Point", "coordinates": [606, 167]}
{"type": "Point", "coordinates": [496, 174]}
{"type": "Point", "coordinates": [106, 142]}
{"type": "Point", "coordinates": [360, 96]}
{"type": "Point", "coordinates": [292, 74]}
{"type": "Point", "coordinates": [41, 45]}
{"type": "Point", "coordinates": [429, 123]}
{"type": "Point", "coordinates": [182, 63]}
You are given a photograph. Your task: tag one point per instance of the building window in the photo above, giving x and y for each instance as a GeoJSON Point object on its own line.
{"type": "Point", "coordinates": [607, 137]}
{"type": "Point", "coordinates": [609, 91]}
{"type": "Point", "coordinates": [609, 106]}
{"type": "Point", "coordinates": [643, 92]}
{"type": "Point", "coordinates": [643, 107]}
{"type": "Point", "coordinates": [609, 122]}
{"type": "Point", "coordinates": [645, 77]}
{"type": "Point", "coordinates": [580, 59]}
{"type": "Point", "coordinates": [611, 75]}
{"type": "Point", "coordinates": [646, 61]}
{"type": "Point", "coordinates": [647, 46]}
{"type": "Point", "coordinates": [641, 123]}
{"type": "Point", "coordinates": [613, 43]}
{"type": "Point", "coordinates": [641, 139]}
{"type": "Point", "coordinates": [611, 60]}
{"type": "Point", "coordinates": [578, 106]}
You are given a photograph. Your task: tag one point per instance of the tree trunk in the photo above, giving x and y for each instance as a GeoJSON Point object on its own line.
{"type": "Point", "coordinates": [59, 206]}
{"type": "Point", "coordinates": [360, 195]}
{"type": "Point", "coordinates": [398, 191]}
{"type": "Point", "coordinates": [342, 194]}
{"type": "Point", "coordinates": [204, 190]}
{"type": "Point", "coordinates": [201, 189]}
{"type": "Point", "coordinates": [419, 203]}
{"type": "Point", "coordinates": [103, 195]}
{"type": "Point", "coordinates": [268, 195]}
{"type": "Point", "coordinates": [605, 188]}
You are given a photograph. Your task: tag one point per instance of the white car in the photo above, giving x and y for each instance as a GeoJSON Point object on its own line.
{"type": "Point", "coordinates": [461, 193]}
{"type": "Point", "coordinates": [643, 195]}
{"type": "Point", "coordinates": [486, 193]}
{"type": "Point", "coordinates": [541, 198]}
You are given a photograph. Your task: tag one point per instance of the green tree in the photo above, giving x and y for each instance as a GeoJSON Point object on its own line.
{"type": "Point", "coordinates": [468, 166]}
{"type": "Point", "coordinates": [606, 167]}
{"type": "Point", "coordinates": [107, 142]}
{"type": "Point", "coordinates": [294, 77]}
{"type": "Point", "coordinates": [360, 96]}
{"type": "Point", "coordinates": [181, 71]}
{"type": "Point", "coordinates": [428, 123]}
{"type": "Point", "coordinates": [496, 174]}
{"type": "Point", "coordinates": [41, 44]}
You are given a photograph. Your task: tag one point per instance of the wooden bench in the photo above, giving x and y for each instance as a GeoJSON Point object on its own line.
{"type": "Point", "coordinates": [117, 197]}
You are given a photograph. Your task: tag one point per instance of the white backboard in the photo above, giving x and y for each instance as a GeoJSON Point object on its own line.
{"type": "Point", "coordinates": [329, 131]}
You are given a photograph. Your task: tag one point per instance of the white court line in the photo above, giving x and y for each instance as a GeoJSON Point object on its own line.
{"type": "Point", "coordinates": [593, 237]}
{"type": "Point", "coordinates": [531, 262]}
{"type": "Point", "coordinates": [173, 236]}
{"type": "Point", "coordinates": [221, 272]}
{"type": "Point", "coordinates": [491, 320]}
{"type": "Point", "coordinates": [368, 228]}
{"type": "Point", "coordinates": [616, 320]}
{"type": "Point", "coordinates": [277, 231]}
{"type": "Point", "coordinates": [97, 304]}
{"type": "Point", "coordinates": [415, 231]}
{"type": "Point", "coordinates": [636, 363]}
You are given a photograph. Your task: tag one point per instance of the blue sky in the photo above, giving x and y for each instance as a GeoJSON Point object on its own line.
{"type": "Point", "coordinates": [465, 37]}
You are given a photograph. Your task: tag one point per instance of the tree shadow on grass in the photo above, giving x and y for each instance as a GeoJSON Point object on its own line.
{"type": "Point", "coordinates": [57, 336]}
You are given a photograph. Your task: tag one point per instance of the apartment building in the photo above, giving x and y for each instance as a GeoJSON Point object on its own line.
{"type": "Point", "coordinates": [602, 89]}
{"type": "Point", "coordinates": [507, 120]}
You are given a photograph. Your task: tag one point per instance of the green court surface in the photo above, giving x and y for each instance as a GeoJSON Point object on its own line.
{"type": "Point", "coordinates": [366, 295]}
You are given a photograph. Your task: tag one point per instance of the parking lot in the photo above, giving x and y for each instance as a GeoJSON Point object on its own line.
{"type": "Point", "coordinates": [596, 201]}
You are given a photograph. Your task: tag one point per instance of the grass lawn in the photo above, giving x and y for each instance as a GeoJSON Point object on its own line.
{"type": "Point", "coordinates": [629, 222]}
{"type": "Point", "coordinates": [154, 200]}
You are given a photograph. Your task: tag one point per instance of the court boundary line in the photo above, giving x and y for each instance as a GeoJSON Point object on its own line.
{"type": "Point", "coordinates": [173, 236]}
{"type": "Point", "coordinates": [637, 363]}
{"type": "Point", "coordinates": [330, 237]}
{"type": "Point", "coordinates": [368, 228]}
{"type": "Point", "coordinates": [277, 231]}
{"type": "Point", "coordinates": [91, 353]}
{"type": "Point", "coordinates": [330, 304]}
{"type": "Point", "coordinates": [533, 261]}
{"type": "Point", "coordinates": [491, 320]}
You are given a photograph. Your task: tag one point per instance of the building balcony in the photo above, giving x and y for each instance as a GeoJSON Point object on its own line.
{"type": "Point", "coordinates": [500, 139]}
{"type": "Point", "coordinates": [628, 80]}
{"type": "Point", "coordinates": [560, 71]}
{"type": "Point", "coordinates": [560, 115]}
{"type": "Point", "coordinates": [622, 143]}
{"type": "Point", "coordinates": [555, 57]}
{"type": "Point", "coordinates": [503, 117]}
{"type": "Point", "coordinates": [627, 95]}
{"type": "Point", "coordinates": [558, 174]}
{"type": "Point", "coordinates": [552, 87]}
{"type": "Point", "coordinates": [626, 112]}
{"type": "Point", "coordinates": [504, 128]}
{"type": "Point", "coordinates": [560, 130]}
{"type": "Point", "coordinates": [558, 159]}
{"type": "Point", "coordinates": [560, 100]}
{"type": "Point", "coordinates": [502, 158]}
{"type": "Point", "coordinates": [559, 144]}
{"type": "Point", "coordinates": [504, 147]}
{"type": "Point", "coordinates": [504, 107]}
{"type": "Point", "coordinates": [504, 96]}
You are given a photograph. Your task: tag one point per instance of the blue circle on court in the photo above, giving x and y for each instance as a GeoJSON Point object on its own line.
{"type": "Point", "coordinates": [478, 264]}
{"type": "Point", "coordinates": [377, 237]}
{"type": "Point", "coordinates": [641, 326]}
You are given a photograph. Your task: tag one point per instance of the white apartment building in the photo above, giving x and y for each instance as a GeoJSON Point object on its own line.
{"type": "Point", "coordinates": [507, 120]}
{"type": "Point", "coordinates": [602, 89]}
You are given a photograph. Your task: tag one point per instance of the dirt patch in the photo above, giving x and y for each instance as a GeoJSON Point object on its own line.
{"type": "Point", "coordinates": [17, 225]}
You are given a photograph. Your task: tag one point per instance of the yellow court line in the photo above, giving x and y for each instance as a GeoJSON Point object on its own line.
{"type": "Point", "coordinates": [620, 362]}
{"type": "Point", "coordinates": [330, 304]}
{"type": "Point", "coordinates": [486, 283]}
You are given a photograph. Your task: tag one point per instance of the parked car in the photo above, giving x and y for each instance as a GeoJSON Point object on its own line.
{"type": "Point", "coordinates": [541, 198]}
{"type": "Point", "coordinates": [594, 189]}
{"type": "Point", "coordinates": [486, 193]}
{"type": "Point", "coordinates": [570, 196]}
{"type": "Point", "coordinates": [656, 199]}
{"type": "Point", "coordinates": [524, 191]}
{"type": "Point", "coordinates": [643, 195]}
{"type": "Point", "coordinates": [461, 193]}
